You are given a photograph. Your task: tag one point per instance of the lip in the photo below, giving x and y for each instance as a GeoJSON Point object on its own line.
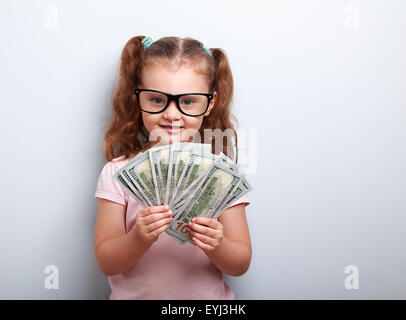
{"type": "Point", "coordinates": [172, 129]}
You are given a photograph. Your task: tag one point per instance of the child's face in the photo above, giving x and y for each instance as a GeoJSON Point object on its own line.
{"type": "Point", "coordinates": [171, 123]}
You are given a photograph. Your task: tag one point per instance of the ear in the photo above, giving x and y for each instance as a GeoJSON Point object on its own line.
{"type": "Point", "coordinates": [211, 105]}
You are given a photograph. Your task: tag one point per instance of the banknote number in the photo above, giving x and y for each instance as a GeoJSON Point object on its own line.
{"type": "Point", "coordinates": [181, 227]}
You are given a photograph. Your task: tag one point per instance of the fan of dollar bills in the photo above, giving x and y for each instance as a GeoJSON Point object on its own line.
{"type": "Point", "coordinates": [186, 176]}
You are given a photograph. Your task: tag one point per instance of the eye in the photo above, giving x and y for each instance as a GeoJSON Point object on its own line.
{"type": "Point", "coordinates": [157, 100]}
{"type": "Point", "coordinates": [187, 101]}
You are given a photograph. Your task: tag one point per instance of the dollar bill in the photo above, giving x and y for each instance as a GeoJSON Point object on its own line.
{"type": "Point", "coordinates": [188, 177]}
{"type": "Point", "coordinates": [178, 239]}
{"type": "Point", "coordinates": [195, 167]}
{"type": "Point", "coordinates": [178, 156]}
{"type": "Point", "coordinates": [133, 185]}
{"type": "Point", "coordinates": [139, 171]}
{"type": "Point", "coordinates": [226, 161]}
{"type": "Point", "coordinates": [241, 189]}
{"type": "Point", "coordinates": [181, 199]}
{"type": "Point", "coordinates": [130, 188]}
{"type": "Point", "coordinates": [159, 160]}
{"type": "Point", "coordinates": [216, 182]}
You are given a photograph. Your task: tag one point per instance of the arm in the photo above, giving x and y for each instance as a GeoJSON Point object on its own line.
{"type": "Point", "coordinates": [232, 251]}
{"type": "Point", "coordinates": [116, 251]}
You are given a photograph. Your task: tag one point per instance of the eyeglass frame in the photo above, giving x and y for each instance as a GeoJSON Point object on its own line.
{"type": "Point", "coordinates": [175, 97]}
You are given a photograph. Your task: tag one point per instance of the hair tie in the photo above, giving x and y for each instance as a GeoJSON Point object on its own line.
{"type": "Point", "coordinates": [147, 41]}
{"type": "Point", "coordinates": [208, 51]}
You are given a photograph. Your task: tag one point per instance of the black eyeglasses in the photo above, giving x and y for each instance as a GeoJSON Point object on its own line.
{"type": "Point", "coordinates": [190, 104]}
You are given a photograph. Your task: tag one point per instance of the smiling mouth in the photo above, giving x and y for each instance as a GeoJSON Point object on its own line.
{"type": "Point", "coordinates": [171, 129]}
{"type": "Point", "coordinates": [175, 127]}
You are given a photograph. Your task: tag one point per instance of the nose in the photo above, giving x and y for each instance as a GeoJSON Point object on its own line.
{"type": "Point", "coordinates": [172, 112]}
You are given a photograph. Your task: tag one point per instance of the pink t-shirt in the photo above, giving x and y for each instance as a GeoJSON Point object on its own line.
{"type": "Point", "coordinates": [168, 270]}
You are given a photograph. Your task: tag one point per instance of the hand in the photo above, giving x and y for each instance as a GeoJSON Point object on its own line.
{"type": "Point", "coordinates": [150, 222]}
{"type": "Point", "coordinates": [207, 233]}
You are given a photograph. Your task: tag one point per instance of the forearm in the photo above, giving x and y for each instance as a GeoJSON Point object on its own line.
{"type": "Point", "coordinates": [231, 257]}
{"type": "Point", "coordinates": [118, 255]}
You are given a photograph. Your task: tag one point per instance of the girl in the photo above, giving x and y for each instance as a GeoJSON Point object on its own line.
{"type": "Point", "coordinates": [131, 247]}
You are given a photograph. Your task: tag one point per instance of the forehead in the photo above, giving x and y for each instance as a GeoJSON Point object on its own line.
{"type": "Point", "coordinates": [174, 78]}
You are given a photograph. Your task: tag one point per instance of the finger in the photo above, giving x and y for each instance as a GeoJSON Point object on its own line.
{"type": "Point", "coordinates": [202, 245]}
{"type": "Point", "coordinates": [158, 231]}
{"type": "Point", "coordinates": [203, 238]}
{"type": "Point", "coordinates": [212, 223]}
{"type": "Point", "coordinates": [154, 209]}
{"type": "Point", "coordinates": [153, 226]}
{"type": "Point", "coordinates": [156, 217]}
{"type": "Point", "coordinates": [202, 229]}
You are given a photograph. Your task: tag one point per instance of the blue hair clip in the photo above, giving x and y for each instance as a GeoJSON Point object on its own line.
{"type": "Point", "coordinates": [208, 51]}
{"type": "Point", "coordinates": [147, 41]}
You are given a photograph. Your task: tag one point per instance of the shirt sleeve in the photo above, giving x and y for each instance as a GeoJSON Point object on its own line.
{"type": "Point", "coordinates": [108, 188]}
{"type": "Point", "coordinates": [244, 199]}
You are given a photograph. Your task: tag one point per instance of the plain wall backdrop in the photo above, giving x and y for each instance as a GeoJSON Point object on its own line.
{"type": "Point", "coordinates": [320, 85]}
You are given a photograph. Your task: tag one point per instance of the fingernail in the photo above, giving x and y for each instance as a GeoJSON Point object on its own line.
{"type": "Point", "coordinates": [166, 207]}
{"type": "Point", "coordinates": [169, 212]}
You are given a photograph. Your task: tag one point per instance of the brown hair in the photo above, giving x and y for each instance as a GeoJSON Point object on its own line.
{"type": "Point", "coordinates": [126, 133]}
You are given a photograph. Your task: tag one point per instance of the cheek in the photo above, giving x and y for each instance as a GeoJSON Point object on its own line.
{"type": "Point", "coordinates": [193, 122]}
{"type": "Point", "coordinates": [192, 126]}
{"type": "Point", "coordinates": [150, 120]}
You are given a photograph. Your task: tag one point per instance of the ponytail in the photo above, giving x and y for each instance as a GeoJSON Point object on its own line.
{"type": "Point", "coordinates": [220, 115]}
{"type": "Point", "coordinates": [126, 132]}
